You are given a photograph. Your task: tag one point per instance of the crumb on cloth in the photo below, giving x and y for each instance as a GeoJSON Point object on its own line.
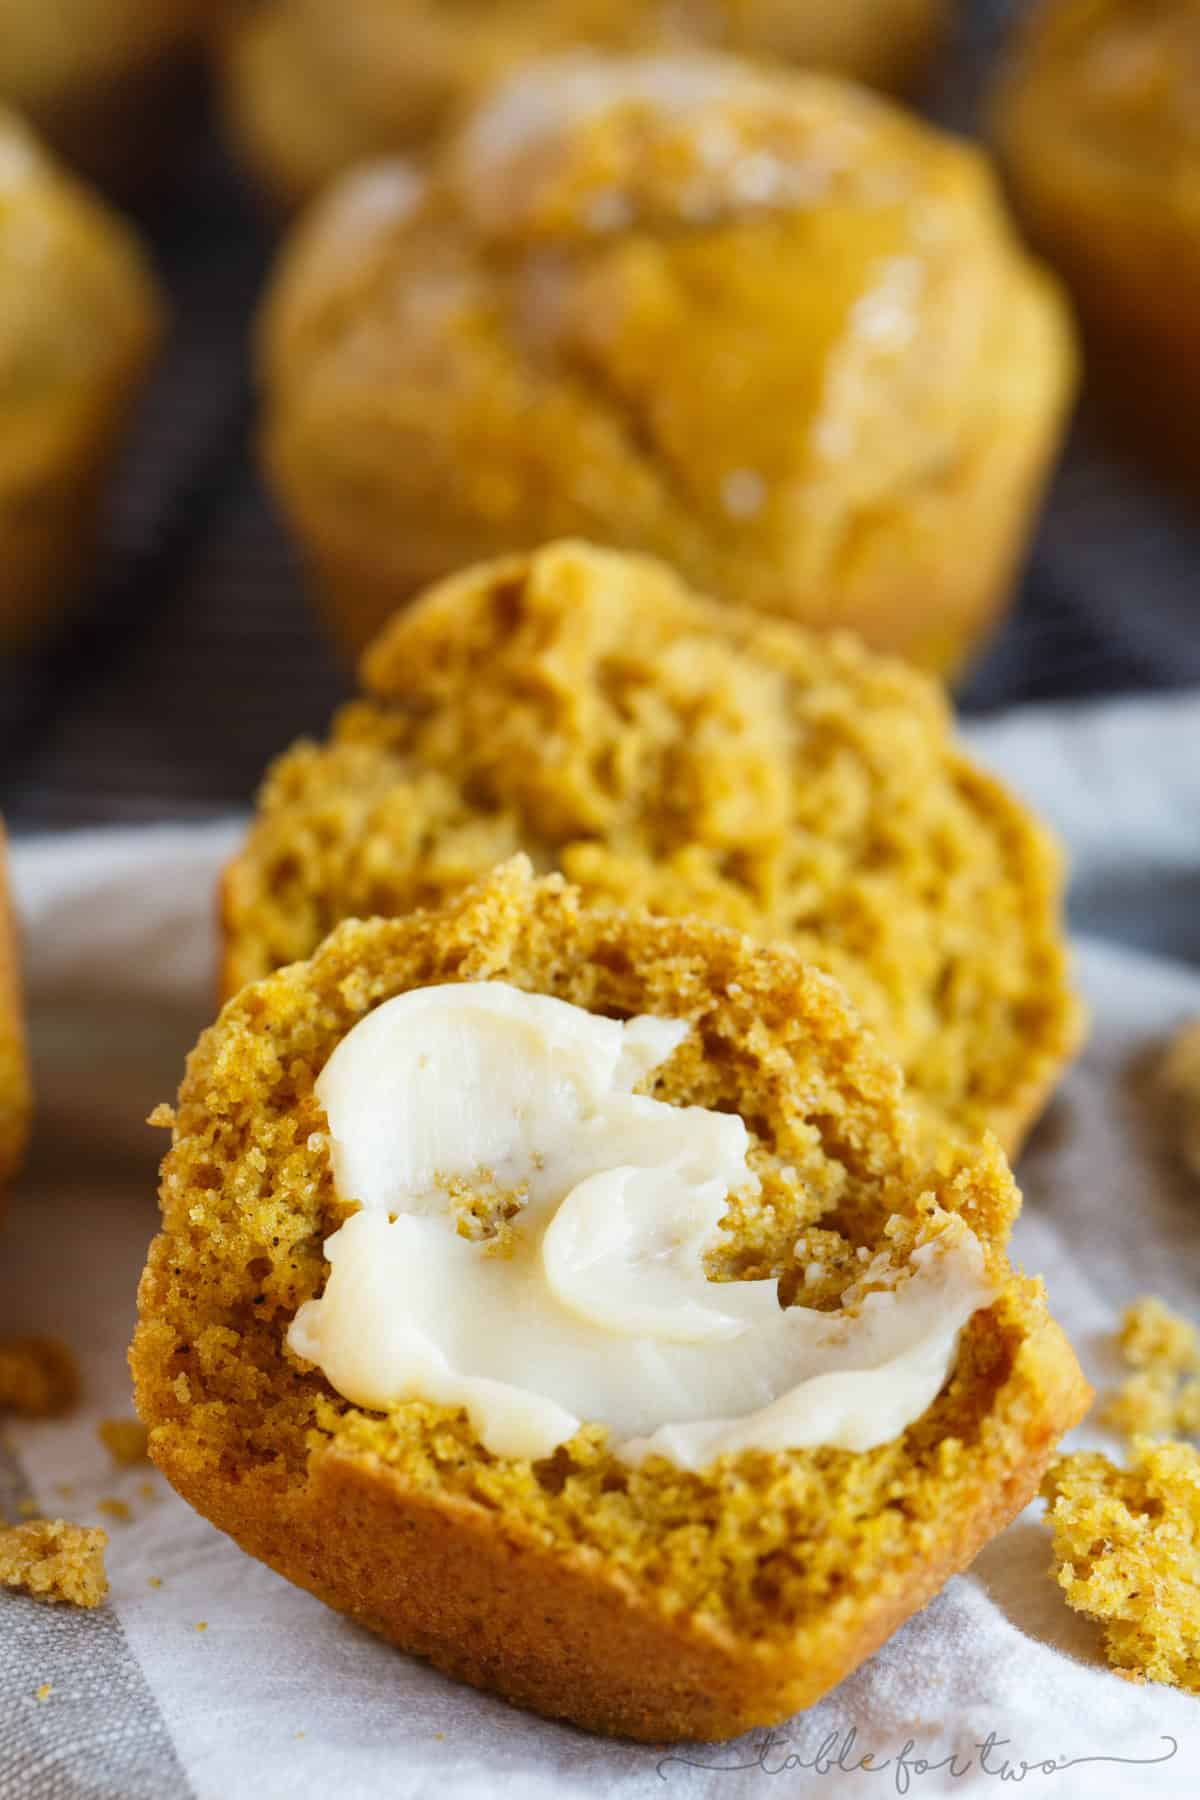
{"type": "Point", "coordinates": [1161, 1398]}
{"type": "Point", "coordinates": [1127, 1554]}
{"type": "Point", "coordinates": [126, 1441]}
{"type": "Point", "coordinates": [53, 1560]}
{"type": "Point", "coordinates": [1179, 1083]}
{"type": "Point", "coordinates": [39, 1377]}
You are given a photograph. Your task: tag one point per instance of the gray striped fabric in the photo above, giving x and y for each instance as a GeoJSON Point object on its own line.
{"type": "Point", "coordinates": [103, 1738]}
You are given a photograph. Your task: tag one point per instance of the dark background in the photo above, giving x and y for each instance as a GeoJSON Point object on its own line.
{"type": "Point", "coordinates": [196, 659]}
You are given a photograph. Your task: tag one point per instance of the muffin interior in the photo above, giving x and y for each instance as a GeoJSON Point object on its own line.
{"type": "Point", "coordinates": [759, 1540]}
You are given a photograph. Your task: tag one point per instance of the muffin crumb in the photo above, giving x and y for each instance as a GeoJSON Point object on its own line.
{"type": "Point", "coordinates": [39, 1377]}
{"type": "Point", "coordinates": [1162, 1396]}
{"type": "Point", "coordinates": [1127, 1554]}
{"type": "Point", "coordinates": [53, 1560]}
{"type": "Point", "coordinates": [126, 1441]}
{"type": "Point", "coordinates": [1179, 1081]}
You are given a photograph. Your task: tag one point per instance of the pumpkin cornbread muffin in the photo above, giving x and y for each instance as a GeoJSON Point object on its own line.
{"type": "Point", "coordinates": [765, 325]}
{"type": "Point", "coordinates": [103, 80]}
{"type": "Point", "coordinates": [670, 753]}
{"type": "Point", "coordinates": [640, 1597]}
{"type": "Point", "coordinates": [1127, 1553]}
{"type": "Point", "coordinates": [1098, 121]}
{"type": "Point", "coordinates": [14, 1067]}
{"type": "Point", "coordinates": [79, 326]}
{"type": "Point", "coordinates": [315, 85]}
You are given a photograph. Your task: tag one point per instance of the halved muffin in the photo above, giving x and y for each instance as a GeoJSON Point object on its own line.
{"type": "Point", "coordinates": [763, 324]}
{"type": "Point", "coordinates": [667, 752]}
{"type": "Point", "coordinates": [639, 1590]}
{"type": "Point", "coordinates": [79, 326]}
{"type": "Point", "coordinates": [314, 85]}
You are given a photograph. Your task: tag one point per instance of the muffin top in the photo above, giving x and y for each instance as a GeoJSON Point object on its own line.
{"type": "Point", "coordinates": [664, 751]}
{"type": "Point", "coordinates": [765, 324]}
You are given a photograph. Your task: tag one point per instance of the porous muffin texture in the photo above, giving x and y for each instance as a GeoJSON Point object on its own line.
{"type": "Point", "coordinates": [1098, 121]}
{"type": "Point", "coordinates": [315, 85]}
{"type": "Point", "coordinates": [79, 327]}
{"type": "Point", "coordinates": [649, 1602]}
{"type": "Point", "coordinates": [1127, 1553]}
{"type": "Point", "coordinates": [103, 80]}
{"type": "Point", "coordinates": [55, 1561]}
{"type": "Point", "coordinates": [1161, 1398]}
{"type": "Point", "coordinates": [15, 1099]}
{"type": "Point", "coordinates": [666, 752]}
{"type": "Point", "coordinates": [765, 325]}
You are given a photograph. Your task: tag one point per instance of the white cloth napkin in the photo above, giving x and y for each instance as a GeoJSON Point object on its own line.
{"type": "Point", "coordinates": [283, 1700]}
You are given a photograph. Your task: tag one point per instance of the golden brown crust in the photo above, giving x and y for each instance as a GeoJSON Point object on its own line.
{"type": "Point", "coordinates": [81, 324]}
{"type": "Point", "coordinates": [1096, 118]}
{"type": "Point", "coordinates": [650, 1602]}
{"type": "Point", "coordinates": [761, 324]}
{"type": "Point", "coordinates": [666, 752]}
{"type": "Point", "coordinates": [563, 1635]}
{"type": "Point", "coordinates": [315, 85]}
{"type": "Point", "coordinates": [15, 1094]}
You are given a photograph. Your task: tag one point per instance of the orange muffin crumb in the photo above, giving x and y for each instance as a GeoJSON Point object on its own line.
{"type": "Point", "coordinates": [55, 1561]}
{"type": "Point", "coordinates": [1162, 1397]}
{"type": "Point", "coordinates": [39, 1377]}
{"type": "Point", "coordinates": [125, 1440]}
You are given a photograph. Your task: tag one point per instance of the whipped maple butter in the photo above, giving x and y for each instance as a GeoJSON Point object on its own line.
{"type": "Point", "coordinates": [593, 1304]}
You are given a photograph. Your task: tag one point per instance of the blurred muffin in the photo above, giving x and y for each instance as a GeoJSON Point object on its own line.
{"type": "Point", "coordinates": [1098, 120]}
{"type": "Point", "coordinates": [666, 753]}
{"type": "Point", "coordinates": [14, 1071]}
{"type": "Point", "coordinates": [80, 319]}
{"type": "Point", "coordinates": [102, 79]}
{"type": "Point", "coordinates": [314, 85]}
{"type": "Point", "coordinates": [767, 326]}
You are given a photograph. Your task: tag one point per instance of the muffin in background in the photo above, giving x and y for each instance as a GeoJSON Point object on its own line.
{"type": "Point", "coordinates": [80, 321]}
{"type": "Point", "coordinates": [105, 81]}
{"type": "Point", "coordinates": [14, 1067]}
{"type": "Point", "coordinates": [1097, 118]}
{"type": "Point", "coordinates": [698, 761]}
{"type": "Point", "coordinates": [765, 325]}
{"type": "Point", "coordinates": [312, 86]}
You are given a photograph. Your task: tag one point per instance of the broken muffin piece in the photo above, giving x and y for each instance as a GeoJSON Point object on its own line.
{"type": "Point", "coordinates": [1127, 1554]}
{"type": "Point", "coordinates": [52, 1560]}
